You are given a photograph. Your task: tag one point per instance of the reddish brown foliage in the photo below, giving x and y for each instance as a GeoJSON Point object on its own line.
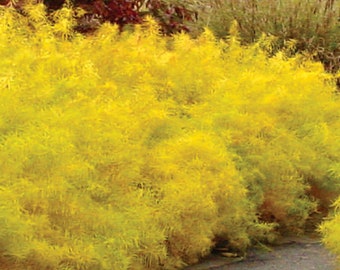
{"type": "Point", "coordinates": [171, 18]}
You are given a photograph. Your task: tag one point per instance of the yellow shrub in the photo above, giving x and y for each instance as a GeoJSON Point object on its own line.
{"type": "Point", "coordinates": [201, 191]}
{"type": "Point", "coordinates": [331, 231]}
{"type": "Point", "coordinates": [134, 151]}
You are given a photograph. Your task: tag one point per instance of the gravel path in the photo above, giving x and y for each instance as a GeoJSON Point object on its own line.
{"type": "Point", "coordinates": [293, 253]}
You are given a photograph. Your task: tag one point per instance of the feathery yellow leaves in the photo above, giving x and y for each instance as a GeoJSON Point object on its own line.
{"type": "Point", "coordinates": [135, 151]}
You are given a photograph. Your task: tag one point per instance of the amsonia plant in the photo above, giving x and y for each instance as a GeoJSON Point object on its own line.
{"type": "Point", "coordinates": [134, 151]}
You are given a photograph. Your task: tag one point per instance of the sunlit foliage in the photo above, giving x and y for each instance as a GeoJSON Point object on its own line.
{"type": "Point", "coordinates": [134, 151]}
{"type": "Point", "coordinates": [331, 231]}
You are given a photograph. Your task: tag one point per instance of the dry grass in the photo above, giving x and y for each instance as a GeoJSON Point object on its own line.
{"type": "Point", "coordinates": [314, 24]}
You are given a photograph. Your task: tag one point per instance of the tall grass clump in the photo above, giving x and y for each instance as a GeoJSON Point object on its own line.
{"type": "Point", "coordinates": [313, 25]}
{"type": "Point", "coordinates": [134, 151]}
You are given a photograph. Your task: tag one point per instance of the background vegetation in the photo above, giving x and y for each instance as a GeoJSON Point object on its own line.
{"type": "Point", "coordinates": [313, 25]}
{"type": "Point", "coordinates": [115, 155]}
{"type": "Point", "coordinates": [308, 26]}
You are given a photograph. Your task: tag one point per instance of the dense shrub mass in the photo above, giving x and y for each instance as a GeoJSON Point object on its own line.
{"type": "Point", "coordinates": [331, 231]}
{"type": "Point", "coordinates": [308, 26]}
{"type": "Point", "coordinates": [133, 151]}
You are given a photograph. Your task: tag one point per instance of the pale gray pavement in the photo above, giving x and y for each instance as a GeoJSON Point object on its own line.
{"type": "Point", "coordinates": [297, 253]}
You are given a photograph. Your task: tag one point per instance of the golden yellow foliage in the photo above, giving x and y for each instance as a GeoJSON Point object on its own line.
{"type": "Point", "coordinates": [331, 231]}
{"type": "Point", "coordinates": [135, 151]}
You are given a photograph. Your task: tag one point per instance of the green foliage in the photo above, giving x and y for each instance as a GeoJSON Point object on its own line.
{"type": "Point", "coordinates": [135, 151]}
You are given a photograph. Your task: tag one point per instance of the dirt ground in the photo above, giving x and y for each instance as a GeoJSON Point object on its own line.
{"type": "Point", "coordinates": [291, 253]}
